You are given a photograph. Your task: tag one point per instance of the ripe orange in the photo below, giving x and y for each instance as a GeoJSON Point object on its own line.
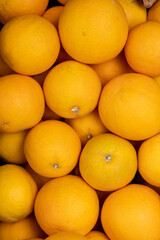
{"type": "Point", "coordinates": [157, 79]}
{"type": "Point", "coordinates": [149, 160]}
{"type": "Point", "coordinates": [26, 228]}
{"type": "Point", "coordinates": [53, 14]}
{"type": "Point", "coordinates": [97, 235]}
{"type": "Point", "coordinates": [66, 236]}
{"type": "Point", "coordinates": [72, 89]}
{"type": "Point", "coordinates": [12, 8]}
{"type": "Point", "coordinates": [11, 147]}
{"type": "Point", "coordinates": [88, 126]}
{"type": "Point", "coordinates": [17, 193]}
{"type": "Point", "coordinates": [132, 212]}
{"type": "Point", "coordinates": [29, 44]}
{"type": "Point", "coordinates": [100, 36]}
{"type": "Point", "coordinates": [67, 204]}
{"type": "Point", "coordinates": [52, 148]}
{"type": "Point", "coordinates": [21, 103]}
{"type": "Point", "coordinates": [4, 68]}
{"type": "Point", "coordinates": [108, 162]}
{"type": "Point", "coordinates": [153, 13]}
{"type": "Point", "coordinates": [112, 68]}
{"type": "Point", "coordinates": [136, 12]}
{"type": "Point", "coordinates": [63, 1]}
{"type": "Point", "coordinates": [130, 106]}
{"type": "Point", "coordinates": [142, 49]}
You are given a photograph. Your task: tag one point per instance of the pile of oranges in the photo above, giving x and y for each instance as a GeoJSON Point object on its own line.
{"type": "Point", "coordinates": [79, 120]}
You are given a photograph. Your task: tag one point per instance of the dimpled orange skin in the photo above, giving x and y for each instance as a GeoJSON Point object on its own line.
{"type": "Point", "coordinates": [52, 148]}
{"type": "Point", "coordinates": [142, 48]}
{"type": "Point", "coordinates": [125, 104]}
{"type": "Point", "coordinates": [72, 89]}
{"type": "Point", "coordinates": [96, 235]}
{"type": "Point", "coordinates": [66, 236]}
{"type": "Point", "coordinates": [26, 228]}
{"type": "Point", "coordinates": [100, 36]}
{"type": "Point", "coordinates": [29, 44]}
{"type": "Point", "coordinates": [21, 103]}
{"type": "Point", "coordinates": [132, 212]}
{"type": "Point", "coordinates": [67, 204]}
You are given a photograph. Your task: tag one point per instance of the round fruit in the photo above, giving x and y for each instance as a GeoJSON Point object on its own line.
{"type": "Point", "coordinates": [132, 212]}
{"type": "Point", "coordinates": [100, 36]}
{"type": "Point", "coordinates": [29, 44]}
{"type": "Point", "coordinates": [97, 235]}
{"type": "Point", "coordinates": [63, 1]}
{"type": "Point", "coordinates": [130, 106]}
{"type": "Point", "coordinates": [53, 14]}
{"type": "Point", "coordinates": [67, 204]}
{"type": "Point", "coordinates": [66, 236]}
{"type": "Point", "coordinates": [52, 148]}
{"type": "Point", "coordinates": [17, 193]}
{"type": "Point", "coordinates": [142, 49]}
{"type": "Point", "coordinates": [4, 68]}
{"type": "Point", "coordinates": [153, 13]}
{"type": "Point", "coordinates": [72, 89]}
{"type": "Point", "coordinates": [108, 162]}
{"type": "Point", "coordinates": [21, 103]}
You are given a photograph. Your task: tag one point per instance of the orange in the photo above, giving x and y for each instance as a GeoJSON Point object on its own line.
{"type": "Point", "coordinates": [97, 235]}
{"type": "Point", "coordinates": [67, 204]}
{"type": "Point", "coordinates": [26, 228]}
{"type": "Point", "coordinates": [66, 236]}
{"type": "Point", "coordinates": [17, 193]}
{"type": "Point", "coordinates": [40, 180]}
{"type": "Point", "coordinates": [136, 12]}
{"type": "Point", "coordinates": [63, 1]}
{"type": "Point", "coordinates": [154, 12]}
{"type": "Point", "coordinates": [21, 103]}
{"type": "Point", "coordinates": [72, 89]}
{"type": "Point", "coordinates": [4, 68]}
{"type": "Point", "coordinates": [50, 115]}
{"type": "Point", "coordinates": [35, 239]}
{"type": "Point", "coordinates": [101, 35]}
{"type": "Point", "coordinates": [88, 126]}
{"type": "Point", "coordinates": [132, 212]}
{"type": "Point", "coordinates": [11, 147]}
{"type": "Point", "coordinates": [12, 8]}
{"type": "Point", "coordinates": [112, 68]}
{"type": "Point", "coordinates": [29, 44]}
{"type": "Point", "coordinates": [53, 14]}
{"type": "Point", "coordinates": [130, 106]}
{"type": "Point", "coordinates": [108, 162]}
{"type": "Point", "coordinates": [149, 160]}
{"type": "Point", "coordinates": [52, 148]}
{"type": "Point", "coordinates": [157, 79]}
{"type": "Point", "coordinates": [142, 49]}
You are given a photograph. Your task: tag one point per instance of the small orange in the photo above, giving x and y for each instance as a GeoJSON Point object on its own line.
{"type": "Point", "coordinates": [125, 104]}
{"type": "Point", "coordinates": [21, 103]}
{"type": "Point", "coordinates": [149, 160]}
{"type": "Point", "coordinates": [29, 44]}
{"type": "Point", "coordinates": [72, 89]}
{"type": "Point", "coordinates": [52, 148]}
{"type": "Point", "coordinates": [4, 68]}
{"type": "Point", "coordinates": [154, 12]}
{"type": "Point", "coordinates": [53, 14]}
{"type": "Point", "coordinates": [101, 35]}
{"type": "Point", "coordinates": [87, 126]}
{"type": "Point", "coordinates": [50, 115]}
{"type": "Point", "coordinates": [17, 193]}
{"type": "Point", "coordinates": [97, 235]}
{"type": "Point", "coordinates": [108, 162]}
{"type": "Point", "coordinates": [66, 236]}
{"type": "Point", "coordinates": [142, 49]}
{"type": "Point", "coordinates": [11, 147]}
{"type": "Point", "coordinates": [26, 228]}
{"type": "Point", "coordinates": [132, 213]}
{"type": "Point", "coordinates": [112, 68]}
{"type": "Point", "coordinates": [67, 204]}
{"type": "Point", "coordinates": [12, 8]}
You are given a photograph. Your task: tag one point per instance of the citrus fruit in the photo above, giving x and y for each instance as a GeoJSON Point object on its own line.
{"type": "Point", "coordinates": [11, 147]}
{"type": "Point", "coordinates": [132, 212]}
{"type": "Point", "coordinates": [64, 89]}
{"type": "Point", "coordinates": [63, 1]}
{"type": "Point", "coordinates": [17, 193]}
{"type": "Point", "coordinates": [52, 148]}
{"type": "Point", "coordinates": [154, 12]}
{"type": "Point", "coordinates": [21, 103]}
{"type": "Point", "coordinates": [52, 14]}
{"type": "Point", "coordinates": [100, 36]}
{"type": "Point", "coordinates": [4, 68]}
{"type": "Point", "coordinates": [129, 106]}
{"type": "Point", "coordinates": [97, 235]}
{"type": "Point", "coordinates": [149, 160]}
{"type": "Point", "coordinates": [67, 204]}
{"type": "Point", "coordinates": [142, 49]}
{"type": "Point", "coordinates": [29, 44]}
{"type": "Point", "coordinates": [108, 162]}
{"type": "Point", "coordinates": [66, 236]}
